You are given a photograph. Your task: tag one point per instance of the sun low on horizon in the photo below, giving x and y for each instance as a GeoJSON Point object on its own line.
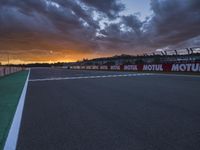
{"type": "Point", "coordinates": [49, 31]}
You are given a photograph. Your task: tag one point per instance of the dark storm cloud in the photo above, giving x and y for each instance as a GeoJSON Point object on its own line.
{"type": "Point", "coordinates": [69, 25]}
{"type": "Point", "coordinates": [109, 7]}
{"type": "Point", "coordinates": [124, 35]}
{"type": "Point", "coordinates": [46, 24]}
{"type": "Point", "coordinates": [133, 22]}
{"type": "Point", "coordinates": [174, 21]}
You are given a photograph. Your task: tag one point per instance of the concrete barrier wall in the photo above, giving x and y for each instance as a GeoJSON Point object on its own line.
{"type": "Point", "coordinates": [9, 70]}
{"type": "Point", "coordinates": [167, 67]}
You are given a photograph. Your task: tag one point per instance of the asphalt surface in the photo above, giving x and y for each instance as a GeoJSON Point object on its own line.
{"type": "Point", "coordinates": [149, 112]}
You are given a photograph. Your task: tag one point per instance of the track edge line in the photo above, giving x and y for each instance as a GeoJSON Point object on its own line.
{"type": "Point", "coordinates": [11, 141]}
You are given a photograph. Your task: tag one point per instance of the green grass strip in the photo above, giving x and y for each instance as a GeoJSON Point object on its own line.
{"type": "Point", "coordinates": [10, 91]}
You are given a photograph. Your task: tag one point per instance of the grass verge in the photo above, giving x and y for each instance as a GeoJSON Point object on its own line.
{"type": "Point", "coordinates": [10, 91]}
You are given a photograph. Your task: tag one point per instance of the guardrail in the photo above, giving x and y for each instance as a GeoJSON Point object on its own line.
{"type": "Point", "coordinates": [167, 67]}
{"type": "Point", "coordinates": [9, 70]}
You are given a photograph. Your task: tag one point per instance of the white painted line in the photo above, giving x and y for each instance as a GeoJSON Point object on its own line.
{"type": "Point", "coordinates": [88, 77]}
{"type": "Point", "coordinates": [11, 141]}
{"type": "Point", "coordinates": [177, 75]}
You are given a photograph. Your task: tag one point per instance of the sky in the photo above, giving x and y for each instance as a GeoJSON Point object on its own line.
{"type": "Point", "coordinates": [70, 30]}
{"type": "Point", "coordinates": [137, 6]}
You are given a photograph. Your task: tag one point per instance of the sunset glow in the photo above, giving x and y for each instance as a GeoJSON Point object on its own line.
{"type": "Point", "coordinates": [65, 31]}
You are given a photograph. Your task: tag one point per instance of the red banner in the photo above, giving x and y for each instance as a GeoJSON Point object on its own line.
{"type": "Point", "coordinates": [175, 67]}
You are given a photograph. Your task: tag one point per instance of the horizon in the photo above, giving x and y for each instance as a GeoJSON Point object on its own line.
{"type": "Point", "coordinates": [50, 31]}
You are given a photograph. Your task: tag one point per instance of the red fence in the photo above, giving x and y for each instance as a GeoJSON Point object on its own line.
{"type": "Point", "coordinates": [9, 70]}
{"type": "Point", "coordinates": [176, 67]}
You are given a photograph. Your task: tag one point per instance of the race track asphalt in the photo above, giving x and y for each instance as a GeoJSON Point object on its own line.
{"type": "Point", "coordinates": [144, 112]}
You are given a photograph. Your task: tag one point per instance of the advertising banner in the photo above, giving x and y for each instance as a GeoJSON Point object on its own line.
{"type": "Point", "coordinates": [103, 67]}
{"type": "Point", "coordinates": [176, 67]}
{"type": "Point", "coordinates": [167, 67]}
{"type": "Point", "coordinates": [115, 68]}
{"type": "Point", "coordinates": [95, 67]}
{"type": "Point", "coordinates": [130, 67]}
